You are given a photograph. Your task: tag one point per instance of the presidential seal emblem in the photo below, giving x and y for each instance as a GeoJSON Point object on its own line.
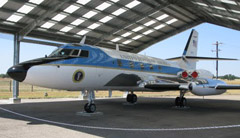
{"type": "Point", "coordinates": [78, 76]}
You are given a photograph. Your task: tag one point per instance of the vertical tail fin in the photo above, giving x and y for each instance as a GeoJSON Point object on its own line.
{"type": "Point", "coordinates": [192, 44]}
{"type": "Point", "coordinates": [191, 50]}
{"type": "Point", "coordinates": [189, 58]}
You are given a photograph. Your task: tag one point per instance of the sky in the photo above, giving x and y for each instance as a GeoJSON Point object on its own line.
{"type": "Point", "coordinates": [171, 47]}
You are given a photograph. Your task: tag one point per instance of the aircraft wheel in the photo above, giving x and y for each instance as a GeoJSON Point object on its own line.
{"type": "Point", "coordinates": [134, 98]}
{"type": "Point", "coordinates": [177, 101]}
{"type": "Point", "coordinates": [183, 102]}
{"type": "Point", "coordinates": [129, 98]}
{"type": "Point", "coordinates": [90, 108]}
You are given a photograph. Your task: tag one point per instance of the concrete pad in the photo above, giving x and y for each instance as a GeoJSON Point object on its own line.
{"type": "Point", "coordinates": [151, 117]}
{"type": "Point", "coordinates": [83, 113]}
{"type": "Point", "coordinates": [14, 100]}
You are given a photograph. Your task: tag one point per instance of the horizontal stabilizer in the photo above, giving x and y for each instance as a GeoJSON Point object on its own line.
{"type": "Point", "coordinates": [199, 58]}
{"type": "Point", "coordinates": [175, 58]}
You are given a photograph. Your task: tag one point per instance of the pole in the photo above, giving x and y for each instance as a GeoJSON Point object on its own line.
{"type": "Point", "coordinates": [217, 60]}
{"type": "Point", "coordinates": [10, 85]}
{"type": "Point", "coordinates": [15, 84]}
{"type": "Point", "coordinates": [15, 62]}
{"type": "Point", "coordinates": [217, 50]}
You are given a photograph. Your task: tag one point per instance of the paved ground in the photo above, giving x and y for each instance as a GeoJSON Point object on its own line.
{"type": "Point", "coordinates": [150, 117]}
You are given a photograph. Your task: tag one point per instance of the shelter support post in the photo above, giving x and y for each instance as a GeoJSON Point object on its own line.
{"type": "Point", "coordinates": [15, 85]}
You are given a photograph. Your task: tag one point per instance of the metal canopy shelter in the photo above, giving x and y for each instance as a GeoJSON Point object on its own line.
{"type": "Point", "coordinates": [133, 24]}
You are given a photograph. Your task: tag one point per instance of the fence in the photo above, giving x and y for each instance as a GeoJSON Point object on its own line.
{"type": "Point", "coordinates": [6, 86]}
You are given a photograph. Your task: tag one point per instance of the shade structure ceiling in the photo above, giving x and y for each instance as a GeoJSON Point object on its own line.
{"type": "Point", "coordinates": [133, 24]}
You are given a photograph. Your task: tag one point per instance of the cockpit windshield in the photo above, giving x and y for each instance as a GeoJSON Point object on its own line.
{"type": "Point", "coordinates": [55, 52]}
{"type": "Point", "coordinates": [60, 52]}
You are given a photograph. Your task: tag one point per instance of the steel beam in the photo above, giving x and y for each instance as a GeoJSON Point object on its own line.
{"type": "Point", "coordinates": [27, 29]}
{"type": "Point", "coordinates": [77, 16]}
{"type": "Point", "coordinates": [15, 86]}
{"type": "Point", "coordinates": [132, 22]}
{"type": "Point", "coordinates": [206, 13]}
{"type": "Point", "coordinates": [227, 13]}
{"type": "Point", "coordinates": [160, 38]}
{"type": "Point", "coordinates": [142, 14]}
{"type": "Point", "coordinates": [79, 26]}
{"type": "Point", "coordinates": [41, 42]}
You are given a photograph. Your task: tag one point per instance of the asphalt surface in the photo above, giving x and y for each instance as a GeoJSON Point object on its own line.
{"type": "Point", "coordinates": [150, 117]}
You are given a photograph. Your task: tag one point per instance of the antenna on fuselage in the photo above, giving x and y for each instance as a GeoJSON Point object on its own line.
{"type": "Point", "coordinates": [117, 47]}
{"type": "Point", "coordinates": [83, 40]}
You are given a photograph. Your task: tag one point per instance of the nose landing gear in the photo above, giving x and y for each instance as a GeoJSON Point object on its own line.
{"type": "Point", "coordinates": [90, 107]}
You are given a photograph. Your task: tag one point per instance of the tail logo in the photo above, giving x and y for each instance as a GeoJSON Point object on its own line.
{"type": "Point", "coordinates": [194, 43]}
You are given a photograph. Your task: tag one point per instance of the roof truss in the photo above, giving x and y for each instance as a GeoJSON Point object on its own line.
{"type": "Point", "coordinates": [133, 24]}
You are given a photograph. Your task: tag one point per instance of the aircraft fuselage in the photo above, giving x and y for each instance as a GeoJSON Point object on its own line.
{"type": "Point", "coordinates": [97, 69]}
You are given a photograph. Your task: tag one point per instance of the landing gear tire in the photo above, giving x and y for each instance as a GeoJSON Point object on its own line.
{"type": "Point", "coordinates": [181, 102]}
{"type": "Point", "coordinates": [177, 101]}
{"type": "Point", "coordinates": [132, 98]}
{"type": "Point", "coordinates": [90, 108]}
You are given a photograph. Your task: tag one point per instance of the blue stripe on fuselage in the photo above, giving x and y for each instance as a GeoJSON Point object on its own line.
{"type": "Point", "coordinates": [99, 58]}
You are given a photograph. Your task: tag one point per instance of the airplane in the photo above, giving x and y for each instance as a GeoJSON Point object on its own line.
{"type": "Point", "coordinates": [86, 68]}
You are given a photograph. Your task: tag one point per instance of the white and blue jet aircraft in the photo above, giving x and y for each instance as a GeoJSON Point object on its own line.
{"type": "Point", "coordinates": [81, 67]}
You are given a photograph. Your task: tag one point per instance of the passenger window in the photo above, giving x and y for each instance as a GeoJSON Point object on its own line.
{"type": "Point", "coordinates": [159, 67]}
{"type": "Point", "coordinates": [131, 64]}
{"type": "Point", "coordinates": [75, 53]}
{"type": "Point", "coordinates": [84, 53]}
{"type": "Point", "coordinates": [141, 66]}
{"type": "Point", "coordinates": [151, 67]}
{"type": "Point", "coordinates": [119, 62]}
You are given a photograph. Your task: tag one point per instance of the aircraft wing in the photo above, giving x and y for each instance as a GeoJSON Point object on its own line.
{"type": "Point", "coordinates": [227, 87]}
{"type": "Point", "coordinates": [167, 86]}
{"type": "Point", "coordinates": [179, 86]}
{"type": "Point", "coordinates": [159, 83]}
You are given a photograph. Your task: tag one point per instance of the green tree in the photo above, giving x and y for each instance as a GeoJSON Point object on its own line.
{"type": "Point", "coordinates": [229, 77]}
{"type": "Point", "coordinates": [4, 76]}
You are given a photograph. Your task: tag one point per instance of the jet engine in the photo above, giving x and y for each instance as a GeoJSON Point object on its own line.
{"type": "Point", "coordinates": [204, 87]}
{"type": "Point", "coordinates": [193, 74]}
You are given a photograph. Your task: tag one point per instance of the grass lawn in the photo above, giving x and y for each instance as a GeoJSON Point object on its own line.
{"type": "Point", "coordinates": [35, 92]}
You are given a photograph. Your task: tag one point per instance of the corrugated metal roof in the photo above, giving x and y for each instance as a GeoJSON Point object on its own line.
{"type": "Point", "coordinates": [134, 24]}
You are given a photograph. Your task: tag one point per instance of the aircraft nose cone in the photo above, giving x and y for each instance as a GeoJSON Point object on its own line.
{"type": "Point", "coordinates": [17, 72]}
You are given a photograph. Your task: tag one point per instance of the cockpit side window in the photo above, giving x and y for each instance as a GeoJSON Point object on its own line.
{"type": "Point", "coordinates": [69, 52]}
{"type": "Point", "coordinates": [75, 53]}
{"type": "Point", "coordinates": [84, 53]}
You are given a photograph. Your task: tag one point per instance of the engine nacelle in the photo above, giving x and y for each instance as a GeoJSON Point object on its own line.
{"type": "Point", "coordinates": [204, 74]}
{"type": "Point", "coordinates": [206, 87]}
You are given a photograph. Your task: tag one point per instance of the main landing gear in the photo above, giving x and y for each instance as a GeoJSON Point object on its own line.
{"type": "Point", "coordinates": [131, 98]}
{"type": "Point", "coordinates": [181, 101]}
{"type": "Point", "coordinates": [90, 107]}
